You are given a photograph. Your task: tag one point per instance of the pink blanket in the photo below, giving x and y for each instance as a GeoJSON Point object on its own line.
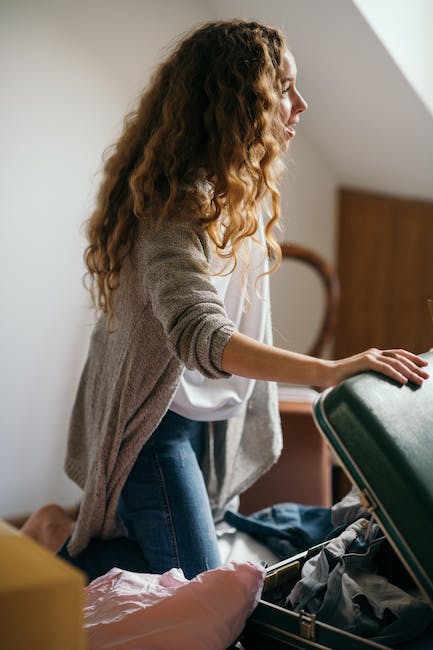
{"type": "Point", "coordinates": [126, 611]}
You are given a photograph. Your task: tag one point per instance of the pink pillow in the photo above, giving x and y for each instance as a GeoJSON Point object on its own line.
{"type": "Point", "coordinates": [140, 611]}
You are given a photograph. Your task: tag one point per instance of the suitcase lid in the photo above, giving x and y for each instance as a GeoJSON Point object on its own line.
{"type": "Point", "coordinates": [382, 433]}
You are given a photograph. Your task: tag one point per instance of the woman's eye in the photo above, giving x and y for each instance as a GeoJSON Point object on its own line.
{"type": "Point", "coordinates": [285, 90]}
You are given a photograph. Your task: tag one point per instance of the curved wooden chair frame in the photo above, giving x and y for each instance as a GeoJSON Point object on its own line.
{"type": "Point", "coordinates": [331, 284]}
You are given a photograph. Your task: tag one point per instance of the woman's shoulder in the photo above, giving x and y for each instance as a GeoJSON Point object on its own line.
{"type": "Point", "coordinates": [184, 235]}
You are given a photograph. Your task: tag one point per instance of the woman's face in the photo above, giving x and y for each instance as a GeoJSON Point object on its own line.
{"type": "Point", "coordinates": [292, 104]}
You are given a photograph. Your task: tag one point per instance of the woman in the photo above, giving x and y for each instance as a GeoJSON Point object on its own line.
{"type": "Point", "coordinates": [175, 413]}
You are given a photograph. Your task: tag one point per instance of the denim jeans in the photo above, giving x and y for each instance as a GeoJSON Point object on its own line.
{"type": "Point", "coordinates": [165, 508]}
{"type": "Point", "coordinates": [285, 528]}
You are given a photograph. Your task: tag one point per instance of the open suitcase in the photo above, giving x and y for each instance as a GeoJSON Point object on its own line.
{"type": "Point", "coordinates": [382, 434]}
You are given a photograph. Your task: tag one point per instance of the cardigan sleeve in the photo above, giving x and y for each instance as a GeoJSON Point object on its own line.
{"type": "Point", "coordinates": [175, 271]}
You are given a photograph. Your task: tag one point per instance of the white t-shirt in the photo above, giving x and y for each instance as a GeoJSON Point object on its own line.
{"type": "Point", "coordinates": [201, 398]}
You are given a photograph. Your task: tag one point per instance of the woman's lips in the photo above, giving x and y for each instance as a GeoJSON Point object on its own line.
{"type": "Point", "coordinates": [290, 131]}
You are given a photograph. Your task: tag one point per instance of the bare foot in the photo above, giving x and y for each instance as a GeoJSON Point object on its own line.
{"type": "Point", "coordinates": [50, 526]}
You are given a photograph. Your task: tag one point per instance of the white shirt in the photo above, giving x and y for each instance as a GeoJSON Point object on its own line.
{"type": "Point", "coordinates": [204, 399]}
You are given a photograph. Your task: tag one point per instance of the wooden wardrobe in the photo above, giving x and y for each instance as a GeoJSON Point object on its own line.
{"type": "Point", "coordinates": [385, 265]}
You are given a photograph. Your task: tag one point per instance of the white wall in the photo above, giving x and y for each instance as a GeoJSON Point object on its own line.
{"type": "Point", "coordinates": [309, 198]}
{"type": "Point", "coordinates": [71, 71]}
{"type": "Point", "coordinates": [405, 28]}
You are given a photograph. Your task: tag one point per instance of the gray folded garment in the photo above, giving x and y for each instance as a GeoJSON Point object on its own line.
{"type": "Point", "coordinates": [348, 510]}
{"type": "Point", "coordinates": [341, 585]}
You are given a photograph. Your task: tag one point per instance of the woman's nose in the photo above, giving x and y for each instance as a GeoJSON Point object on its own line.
{"type": "Point", "coordinates": [300, 104]}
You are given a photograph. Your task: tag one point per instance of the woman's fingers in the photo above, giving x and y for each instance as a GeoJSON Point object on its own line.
{"type": "Point", "coordinates": [410, 356]}
{"type": "Point", "coordinates": [400, 365]}
{"type": "Point", "coordinates": [406, 366]}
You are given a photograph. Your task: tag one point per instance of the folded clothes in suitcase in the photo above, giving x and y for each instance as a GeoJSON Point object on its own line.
{"type": "Point", "coordinates": [382, 434]}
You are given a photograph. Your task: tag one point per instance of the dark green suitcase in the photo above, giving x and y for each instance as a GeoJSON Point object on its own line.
{"type": "Point", "coordinates": [382, 434]}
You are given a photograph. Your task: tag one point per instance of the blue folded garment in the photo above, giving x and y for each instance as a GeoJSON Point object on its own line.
{"type": "Point", "coordinates": [286, 528]}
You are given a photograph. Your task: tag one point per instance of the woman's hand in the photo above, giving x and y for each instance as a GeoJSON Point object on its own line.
{"type": "Point", "coordinates": [400, 365]}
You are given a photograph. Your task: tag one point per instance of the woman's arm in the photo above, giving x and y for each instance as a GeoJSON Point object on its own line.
{"type": "Point", "coordinates": [171, 267]}
{"type": "Point", "coordinates": [246, 357]}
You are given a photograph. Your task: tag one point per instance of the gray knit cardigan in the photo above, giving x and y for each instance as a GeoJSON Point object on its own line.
{"type": "Point", "coordinates": [168, 316]}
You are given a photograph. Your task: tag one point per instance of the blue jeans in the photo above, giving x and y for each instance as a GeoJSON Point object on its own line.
{"type": "Point", "coordinates": [165, 508]}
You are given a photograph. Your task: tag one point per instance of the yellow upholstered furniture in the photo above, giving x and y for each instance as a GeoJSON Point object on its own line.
{"type": "Point", "coordinates": [41, 597]}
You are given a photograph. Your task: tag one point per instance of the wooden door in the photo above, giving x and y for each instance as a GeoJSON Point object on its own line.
{"type": "Point", "coordinates": [385, 264]}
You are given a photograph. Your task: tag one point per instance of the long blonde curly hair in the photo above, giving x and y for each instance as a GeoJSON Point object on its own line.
{"type": "Point", "coordinates": [202, 143]}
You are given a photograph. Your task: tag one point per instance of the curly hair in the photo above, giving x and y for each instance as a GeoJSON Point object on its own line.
{"type": "Point", "coordinates": [202, 143]}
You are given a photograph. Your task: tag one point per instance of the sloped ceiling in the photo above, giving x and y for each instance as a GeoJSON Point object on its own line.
{"type": "Point", "coordinates": [364, 116]}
